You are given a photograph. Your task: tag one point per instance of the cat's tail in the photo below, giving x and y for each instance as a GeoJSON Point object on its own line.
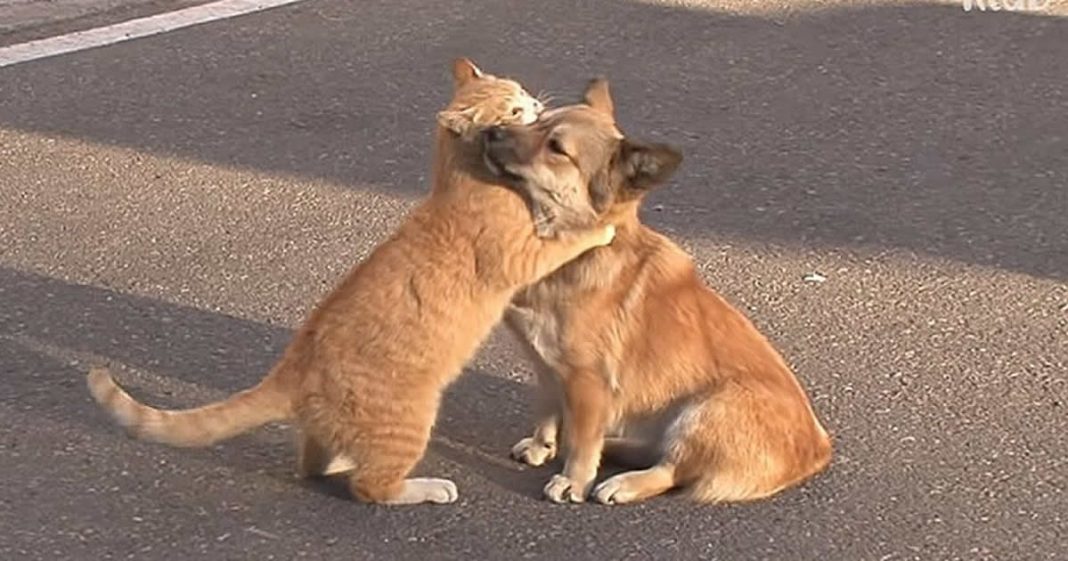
{"type": "Point", "coordinates": [201, 426]}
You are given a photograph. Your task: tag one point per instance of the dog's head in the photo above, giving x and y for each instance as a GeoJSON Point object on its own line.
{"type": "Point", "coordinates": [578, 151]}
{"type": "Point", "coordinates": [481, 100]}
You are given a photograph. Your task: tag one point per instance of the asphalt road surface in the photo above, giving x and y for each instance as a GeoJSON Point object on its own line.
{"type": "Point", "coordinates": [174, 206]}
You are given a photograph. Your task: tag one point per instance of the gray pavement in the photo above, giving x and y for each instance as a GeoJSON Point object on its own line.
{"type": "Point", "coordinates": [175, 205]}
{"type": "Point", "coordinates": [26, 20]}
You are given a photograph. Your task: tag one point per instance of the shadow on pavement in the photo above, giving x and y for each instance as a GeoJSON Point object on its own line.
{"type": "Point", "coordinates": [114, 494]}
{"type": "Point", "coordinates": [919, 127]}
{"type": "Point", "coordinates": [184, 357]}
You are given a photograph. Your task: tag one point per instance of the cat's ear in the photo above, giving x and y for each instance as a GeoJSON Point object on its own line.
{"type": "Point", "coordinates": [598, 97]}
{"type": "Point", "coordinates": [458, 121]}
{"type": "Point", "coordinates": [463, 71]}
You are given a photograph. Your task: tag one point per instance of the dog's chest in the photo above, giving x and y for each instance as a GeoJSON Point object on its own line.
{"type": "Point", "coordinates": [548, 314]}
{"type": "Point", "coordinates": [541, 328]}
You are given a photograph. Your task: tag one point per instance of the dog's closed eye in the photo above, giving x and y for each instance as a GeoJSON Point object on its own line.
{"type": "Point", "coordinates": [556, 147]}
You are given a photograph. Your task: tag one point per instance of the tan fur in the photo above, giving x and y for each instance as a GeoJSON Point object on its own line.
{"type": "Point", "coordinates": [364, 375]}
{"type": "Point", "coordinates": [640, 346]}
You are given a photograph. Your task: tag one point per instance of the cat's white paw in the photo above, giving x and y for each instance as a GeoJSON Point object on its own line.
{"type": "Point", "coordinates": [426, 490]}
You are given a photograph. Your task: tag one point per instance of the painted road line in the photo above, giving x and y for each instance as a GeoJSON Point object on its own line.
{"type": "Point", "coordinates": [133, 29]}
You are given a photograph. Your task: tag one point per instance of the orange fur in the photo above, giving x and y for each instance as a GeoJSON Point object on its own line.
{"type": "Point", "coordinates": [364, 375]}
{"type": "Point", "coordinates": [629, 340]}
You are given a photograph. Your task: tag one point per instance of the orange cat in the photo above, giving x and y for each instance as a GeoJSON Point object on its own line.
{"type": "Point", "coordinates": [363, 376]}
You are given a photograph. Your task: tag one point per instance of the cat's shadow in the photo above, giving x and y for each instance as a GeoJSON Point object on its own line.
{"type": "Point", "coordinates": [178, 356]}
{"type": "Point", "coordinates": [500, 470]}
{"type": "Point", "coordinates": [481, 417]}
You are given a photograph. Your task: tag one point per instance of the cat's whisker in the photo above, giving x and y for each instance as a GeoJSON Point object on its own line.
{"type": "Point", "coordinates": [545, 97]}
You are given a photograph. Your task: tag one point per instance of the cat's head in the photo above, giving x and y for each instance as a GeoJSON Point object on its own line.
{"type": "Point", "coordinates": [482, 100]}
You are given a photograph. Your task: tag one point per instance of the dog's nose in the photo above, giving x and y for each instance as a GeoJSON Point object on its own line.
{"type": "Point", "coordinates": [493, 134]}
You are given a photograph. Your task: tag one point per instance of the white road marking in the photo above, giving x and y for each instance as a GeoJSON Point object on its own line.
{"type": "Point", "coordinates": [133, 29]}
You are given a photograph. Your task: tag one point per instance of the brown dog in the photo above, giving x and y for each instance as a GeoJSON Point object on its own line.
{"type": "Point", "coordinates": [628, 339]}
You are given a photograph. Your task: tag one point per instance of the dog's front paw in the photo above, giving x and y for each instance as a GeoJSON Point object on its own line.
{"type": "Point", "coordinates": [562, 489]}
{"type": "Point", "coordinates": [533, 452]}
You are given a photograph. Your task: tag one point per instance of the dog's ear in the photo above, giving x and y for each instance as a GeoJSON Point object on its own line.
{"type": "Point", "coordinates": [598, 97]}
{"type": "Point", "coordinates": [463, 71]}
{"type": "Point", "coordinates": [602, 190]}
{"type": "Point", "coordinates": [460, 122]}
{"type": "Point", "coordinates": [645, 166]}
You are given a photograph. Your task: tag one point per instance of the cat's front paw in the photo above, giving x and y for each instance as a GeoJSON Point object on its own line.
{"type": "Point", "coordinates": [608, 235]}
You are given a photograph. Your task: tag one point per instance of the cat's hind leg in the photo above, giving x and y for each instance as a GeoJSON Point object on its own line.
{"type": "Point", "coordinates": [385, 454]}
